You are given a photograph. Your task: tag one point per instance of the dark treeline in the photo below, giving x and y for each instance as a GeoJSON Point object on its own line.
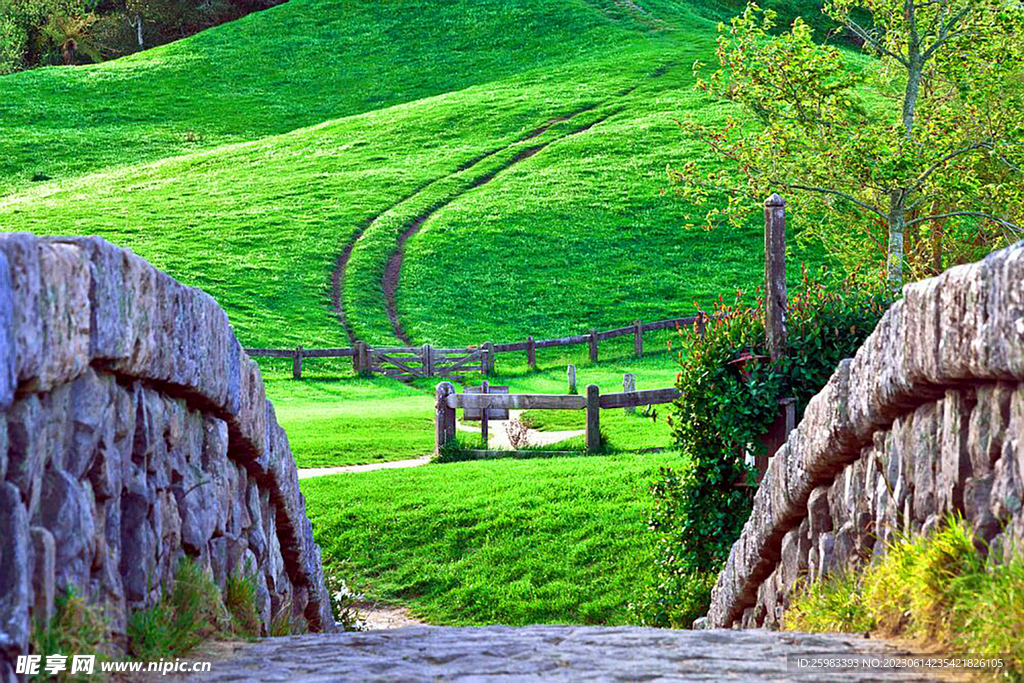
{"type": "Point", "coordinates": [48, 32]}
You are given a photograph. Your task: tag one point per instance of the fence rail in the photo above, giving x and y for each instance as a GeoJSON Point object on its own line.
{"type": "Point", "coordinates": [441, 360]}
{"type": "Point", "coordinates": [448, 401]}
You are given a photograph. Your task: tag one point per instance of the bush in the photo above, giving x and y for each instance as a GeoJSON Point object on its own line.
{"type": "Point", "coordinates": [730, 396]}
{"type": "Point", "coordinates": [12, 45]}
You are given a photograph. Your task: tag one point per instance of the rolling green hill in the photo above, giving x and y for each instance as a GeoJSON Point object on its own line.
{"type": "Point", "coordinates": [526, 142]}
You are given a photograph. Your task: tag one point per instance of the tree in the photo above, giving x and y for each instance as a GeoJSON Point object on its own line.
{"type": "Point", "coordinates": [925, 136]}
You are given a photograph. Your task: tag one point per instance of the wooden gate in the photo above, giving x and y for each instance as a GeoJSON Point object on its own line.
{"type": "Point", "coordinates": [411, 362]}
{"type": "Point", "coordinates": [452, 363]}
{"type": "Point", "coordinates": [403, 363]}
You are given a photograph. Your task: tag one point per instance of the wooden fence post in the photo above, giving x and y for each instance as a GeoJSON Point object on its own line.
{"type": "Point", "coordinates": [593, 418]}
{"type": "Point", "coordinates": [364, 359]}
{"type": "Point", "coordinates": [428, 360]}
{"type": "Point", "coordinates": [488, 361]}
{"type": "Point", "coordinates": [775, 319]}
{"type": "Point", "coordinates": [483, 417]}
{"type": "Point", "coordinates": [593, 346]}
{"type": "Point", "coordinates": [355, 356]}
{"type": "Point", "coordinates": [775, 275]}
{"type": "Point", "coordinates": [297, 363]}
{"type": "Point", "coordinates": [531, 353]}
{"type": "Point", "coordinates": [628, 386]}
{"type": "Point", "coordinates": [444, 419]}
{"type": "Point", "coordinates": [638, 339]}
{"type": "Point", "coordinates": [570, 373]}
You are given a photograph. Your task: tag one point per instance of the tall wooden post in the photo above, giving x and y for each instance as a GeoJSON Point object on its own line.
{"type": "Point", "coordinates": [775, 319]}
{"type": "Point", "coordinates": [593, 346]}
{"type": "Point", "coordinates": [593, 418]}
{"type": "Point", "coordinates": [483, 417]}
{"type": "Point", "coordinates": [427, 360]}
{"type": "Point", "coordinates": [364, 359]}
{"type": "Point", "coordinates": [629, 386]}
{"type": "Point", "coordinates": [488, 364]}
{"type": "Point", "coordinates": [297, 363]}
{"type": "Point", "coordinates": [775, 275]}
{"type": "Point", "coordinates": [444, 419]}
{"type": "Point", "coordinates": [638, 339]}
{"type": "Point", "coordinates": [355, 356]}
{"type": "Point", "coordinates": [531, 353]}
{"type": "Point", "coordinates": [570, 375]}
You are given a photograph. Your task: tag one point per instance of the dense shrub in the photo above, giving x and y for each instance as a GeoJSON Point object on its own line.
{"type": "Point", "coordinates": [730, 396]}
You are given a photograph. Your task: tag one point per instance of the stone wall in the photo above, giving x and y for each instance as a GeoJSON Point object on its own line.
{"type": "Point", "coordinates": [927, 418]}
{"type": "Point", "coordinates": [134, 431]}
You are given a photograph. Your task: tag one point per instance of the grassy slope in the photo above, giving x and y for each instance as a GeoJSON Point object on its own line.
{"type": "Point", "coordinates": [511, 542]}
{"type": "Point", "coordinates": [294, 65]}
{"type": "Point", "coordinates": [259, 224]}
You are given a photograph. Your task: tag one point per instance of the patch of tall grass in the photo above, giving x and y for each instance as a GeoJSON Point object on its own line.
{"type": "Point", "coordinates": [938, 589]}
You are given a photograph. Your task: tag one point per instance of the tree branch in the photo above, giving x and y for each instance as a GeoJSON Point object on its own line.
{"type": "Point", "coordinates": [837, 193]}
{"type": "Point", "coordinates": [979, 214]}
{"type": "Point", "coordinates": [949, 157]}
{"type": "Point", "coordinates": [863, 34]}
{"type": "Point", "coordinates": [944, 33]}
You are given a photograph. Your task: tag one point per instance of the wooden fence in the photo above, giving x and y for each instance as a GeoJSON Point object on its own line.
{"type": "Point", "coordinates": [408, 362]}
{"type": "Point", "coordinates": [448, 401]}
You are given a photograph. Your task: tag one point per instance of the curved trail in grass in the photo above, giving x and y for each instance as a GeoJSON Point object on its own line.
{"type": "Point", "coordinates": [368, 270]}
{"type": "Point", "coordinates": [393, 267]}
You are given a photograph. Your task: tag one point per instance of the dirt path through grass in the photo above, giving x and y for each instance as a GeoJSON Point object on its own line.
{"type": "Point", "coordinates": [489, 167]}
{"type": "Point", "coordinates": [498, 438]}
{"type": "Point", "coordinates": [497, 434]}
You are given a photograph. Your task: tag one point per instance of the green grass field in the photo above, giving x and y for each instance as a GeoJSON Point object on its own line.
{"type": "Point", "coordinates": [333, 418]}
{"type": "Point", "coordinates": [506, 542]}
{"type": "Point", "coordinates": [518, 150]}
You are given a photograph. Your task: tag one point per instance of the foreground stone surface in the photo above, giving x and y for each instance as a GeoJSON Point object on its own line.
{"type": "Point", "coordinates": [550, 653]}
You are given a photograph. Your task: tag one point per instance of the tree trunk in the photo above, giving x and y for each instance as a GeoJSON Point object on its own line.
{"type": "Point", "coordinates": [897, 223]}
{"type": "Point", "coordinates": [915, 73]}
{"type": "Point", "coordinates": [938, 230]}
{"type": "Point", "coordinates": [138, 29]}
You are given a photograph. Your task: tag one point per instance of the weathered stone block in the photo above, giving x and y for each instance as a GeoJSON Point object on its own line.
{"type": "Point", "coordinates": [988, 422]}
{"type": "Point", "coordinates": [15, 581]}
{"type": "Point", "coordinates": [3, 447]}
{"type": "Point", "coordinates": [998, 347]}
{"type": "Point", "coordinates": [1007, 489]}
{"type": "Point", "coordinates": [64, 292]}
{"type": "Point", "coordinates": [26, 431]}
{"type": "Point", "coordinates": [977, 506]}
{"type": "Point", "coordinates": [65, 511]}
{"type": "Point", "coordinates": [8, 327]}
{"type": "Point", "coordinates": [954, 462]}
{"type": "Point", "coordinates": [827, 434]}
{"type": "Point", "coordinates": [44, 574]}
{"type": "Point", "coordinates": [90, 405]}
{"type": "Point", "coordinates": [22, 254]}
{"type": "Point", "coordinates": [923, 451]}
{"type": "Point", "coordinates": [138, 548]}
{"type": "Point", "coordinates": [818, 515]}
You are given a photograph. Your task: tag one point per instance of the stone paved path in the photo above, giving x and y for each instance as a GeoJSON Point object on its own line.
{"type": "Point", "coordinates": [547, 653]}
